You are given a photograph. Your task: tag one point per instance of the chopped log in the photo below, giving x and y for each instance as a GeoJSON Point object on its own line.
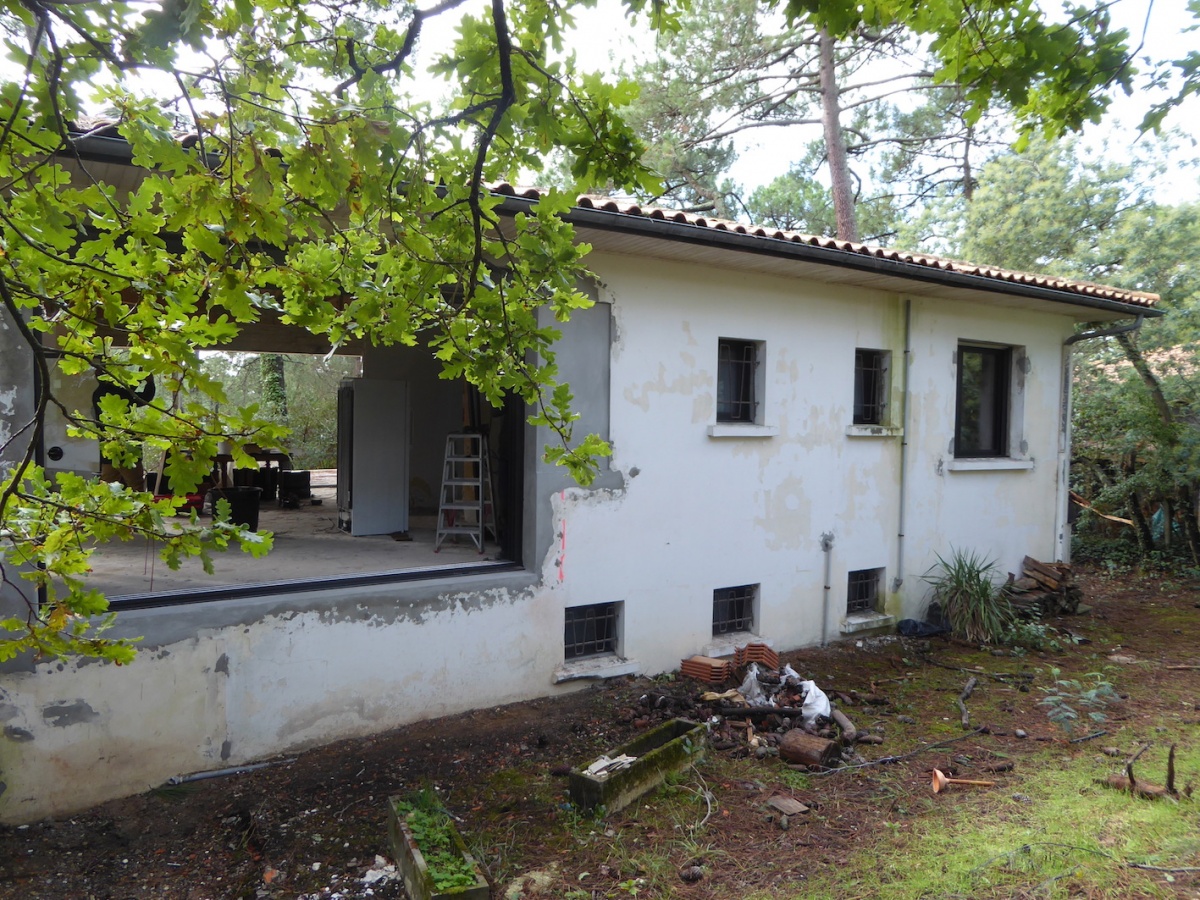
{"type": "Point", "coordinates": [1002, 765]}
{"type": "Point", "coordinates": [1047, 589]}
{"type": "Point", "coordinates": [849, 732]}
{"type": "Point", "coordinates": [1143, 789]}
{"type": "Point", "coordinates": [869, 738]}
{"type": "Point", "coordinates": [799, 746]}
{"type": "Point", "coordinates": [1048, 577]}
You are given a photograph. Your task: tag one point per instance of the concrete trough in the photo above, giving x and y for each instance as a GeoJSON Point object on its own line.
{"type": "Point", "coordinates": [669, 748]}
{"type": "Point", "coordinates": [412, 866]}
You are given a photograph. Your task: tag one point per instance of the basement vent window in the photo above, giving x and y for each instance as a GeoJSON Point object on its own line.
{"type": "Point", "coordinates": [862, 591]}
{"type": "Point", "coordinates": [733, 609]}
{"type": "Point", "coordinates": [591, 630]}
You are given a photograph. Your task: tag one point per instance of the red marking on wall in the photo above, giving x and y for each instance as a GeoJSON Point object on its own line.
{"type": "Point", "coordinates": [562, 545]}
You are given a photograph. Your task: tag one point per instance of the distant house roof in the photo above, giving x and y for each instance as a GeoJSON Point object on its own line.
{"type": "Point", "coordinates": [627, 214]}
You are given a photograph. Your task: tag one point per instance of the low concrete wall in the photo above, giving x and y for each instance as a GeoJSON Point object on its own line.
{"type": "Point", "coordinates": [278, 680]}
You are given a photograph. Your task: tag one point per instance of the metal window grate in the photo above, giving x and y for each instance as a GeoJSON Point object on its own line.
{"type": "Point", "coordinates": [870, 394]}
{"type": "Point", "coordinates": [590, 630]}
{"type": "Point", "coordinates": [733, 608]}
{"type": "Point", "coordinates": [736, 364]}
{"type": "Point", "coordinates": [862, 590]}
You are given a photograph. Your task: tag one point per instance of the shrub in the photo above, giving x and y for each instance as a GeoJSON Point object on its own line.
{"type": "Point", "coordinates": [975, 607]}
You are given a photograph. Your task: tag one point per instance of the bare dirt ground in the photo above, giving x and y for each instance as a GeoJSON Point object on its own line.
{"type": "Point", "coordinates": [315, 827]}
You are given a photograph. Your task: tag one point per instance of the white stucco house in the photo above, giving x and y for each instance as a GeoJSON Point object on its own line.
{"type": "Point", "coordinates": [798, 426]}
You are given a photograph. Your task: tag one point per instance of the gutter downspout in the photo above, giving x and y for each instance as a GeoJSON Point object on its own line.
{"type": "Point", "coordinates": [1062, 482]}
{"type": "Point", "coordinates": [898, 581]}
{"type": "Point", "coordinates": [827, 549]}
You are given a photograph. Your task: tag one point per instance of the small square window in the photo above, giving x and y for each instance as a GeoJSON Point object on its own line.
{"type": "Point", "coordinates": [737, 380]}
{"type": "Point", "coordinates": [981, 417]}
{"type": "Point", "coordinates": [591, 630]}
{"type": "Point", "coordinates": [733, 609]}
{"type": "Point", "coordinates": [870, 386]}
{"type": "Point", "coordinates": [862, 590]}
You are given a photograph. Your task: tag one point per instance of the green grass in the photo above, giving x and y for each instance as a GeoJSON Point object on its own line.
{"type": "Point", "coordinates": [1071, 837]}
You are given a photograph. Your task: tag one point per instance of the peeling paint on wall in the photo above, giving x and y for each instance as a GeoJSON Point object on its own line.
{"type": "Point", "coordinates": [74, 712]}
{"type": "Point", "coordinates": [787, 515]}
{"type": "Point", "coordinates": [640, 395]}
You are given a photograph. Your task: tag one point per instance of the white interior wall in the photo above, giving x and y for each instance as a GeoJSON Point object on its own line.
{"type": "Point", "coordinates": [435, 410]}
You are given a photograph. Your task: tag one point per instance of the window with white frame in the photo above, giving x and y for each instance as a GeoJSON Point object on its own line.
{"type": "Point", "coordinates": [988, 401]}
{"type": "Point", "coordinates": [739, 380]}
{"type": "Point", "coordinates": [871, 370]}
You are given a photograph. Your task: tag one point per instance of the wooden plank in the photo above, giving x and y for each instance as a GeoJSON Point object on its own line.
{"type": "Point", "coordinates": [1041, 573]}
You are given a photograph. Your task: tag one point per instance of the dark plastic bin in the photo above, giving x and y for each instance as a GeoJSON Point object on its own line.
{"type": "Point", "coordinates": [243, 504]}
{"type": "Point", "coordinates": [295, 484]}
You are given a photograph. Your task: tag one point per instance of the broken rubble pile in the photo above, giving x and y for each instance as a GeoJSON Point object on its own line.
{"type": "Point", "coordinates": [772, 712]}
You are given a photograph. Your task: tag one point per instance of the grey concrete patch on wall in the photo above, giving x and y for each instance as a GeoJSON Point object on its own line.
{"type": "Point", "coordinates": [407, 601]}
{"type": "Point", "coordinates": [17, 405]}
{"type": "Point", "coordinates": [18, 735]}
{"type": "Point", "coordinates": [71, 712]}
{"type": "Point", "coordinates": [584, 356]}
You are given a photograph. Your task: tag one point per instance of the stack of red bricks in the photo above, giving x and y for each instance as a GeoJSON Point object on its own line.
{"type": "Point", "coordinates": [706, 669]}
{"type": "Point", "coordinates": [756, 653]}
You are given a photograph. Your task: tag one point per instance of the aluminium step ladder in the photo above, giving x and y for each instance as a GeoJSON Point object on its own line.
{"type": "Point", "coordinates": [466, 506]}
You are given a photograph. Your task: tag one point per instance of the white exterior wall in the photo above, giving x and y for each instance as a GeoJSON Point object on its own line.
{"type": "Point", "coordinates": [225, 683]}
{"type": "Point", "coordinates": [708, 512]}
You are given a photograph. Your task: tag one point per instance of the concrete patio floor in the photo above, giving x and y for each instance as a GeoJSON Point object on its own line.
{"type": "Point", "coordinates": [308, 545]}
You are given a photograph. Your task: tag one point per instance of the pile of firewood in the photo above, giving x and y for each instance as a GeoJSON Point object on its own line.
{"type": "Point", "coordinates": [1044, 589]}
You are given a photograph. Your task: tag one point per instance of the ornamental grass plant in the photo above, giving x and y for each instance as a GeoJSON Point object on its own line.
{"type": "Point", "coordinates": [974, 605]}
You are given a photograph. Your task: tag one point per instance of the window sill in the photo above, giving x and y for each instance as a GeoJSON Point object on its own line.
{"type": "Point", "coordinates": [874, 431]}
{"type": "Point", "coordinates": [999, 464]}
{"type": "Point", "coordinates": [727, 644]}
{"type": "Point", "coordinates": [868, 621]}
{"type": "Point", "coordinates": [596, 667]}
{"type": "Point", "coordinates": [742, 430]}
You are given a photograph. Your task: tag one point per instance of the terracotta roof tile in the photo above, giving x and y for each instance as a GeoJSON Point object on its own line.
{"type": "Point", "coordinates": [628, 207]}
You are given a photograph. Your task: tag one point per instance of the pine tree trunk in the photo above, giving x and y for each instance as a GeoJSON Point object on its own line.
{"type": "Point", "coordinates": [1138, 361]}
{"type": "Point", "coordinates": [1145, 536]}
{"type": "Point", "coordinates": [274, 387]}
{"type": "Point", "coordinates": [835, 143]}
{"type": "Point", "coordinates": [1187, 507]}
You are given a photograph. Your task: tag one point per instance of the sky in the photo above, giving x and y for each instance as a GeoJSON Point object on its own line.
{"type": "Point", "coordinates": [603, 40]}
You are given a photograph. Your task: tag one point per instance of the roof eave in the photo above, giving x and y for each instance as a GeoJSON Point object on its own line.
{"type": "Point", "coordinates": [683, 232]}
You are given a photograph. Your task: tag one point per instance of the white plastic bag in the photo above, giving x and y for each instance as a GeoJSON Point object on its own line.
{"type": "Point", "coordinates": [815, 703]}
{"type": "Point", "coordinates": [751, 689]}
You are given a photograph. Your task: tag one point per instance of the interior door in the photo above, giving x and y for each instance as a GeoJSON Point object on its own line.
{"type": "Point", "coordinates": [378, 457]}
